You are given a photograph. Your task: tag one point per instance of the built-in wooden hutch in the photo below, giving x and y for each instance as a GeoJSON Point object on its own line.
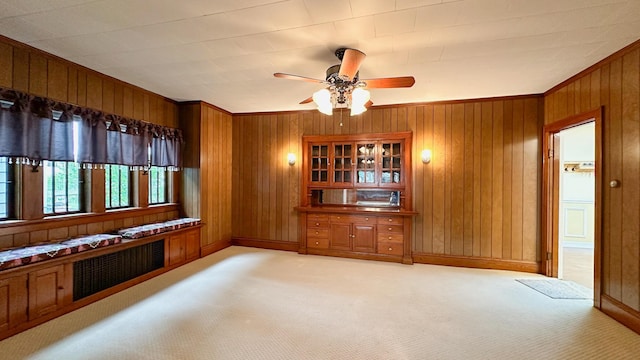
{"type": "Point", "coordinates": [356, 199]}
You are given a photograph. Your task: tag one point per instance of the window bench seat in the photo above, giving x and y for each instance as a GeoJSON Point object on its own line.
{"type": "Point", "coordinates": [43, 281]}
{"type": "Point", "coordinates": [35, 253]}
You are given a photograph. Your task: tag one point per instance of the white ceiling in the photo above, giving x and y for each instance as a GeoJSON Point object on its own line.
{"type": "Point", "coordinates": [226, 51]}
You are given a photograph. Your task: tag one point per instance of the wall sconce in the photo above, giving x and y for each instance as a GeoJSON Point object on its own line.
{"type": "Point", "coordinates": [291, 159]}
{"type": "Point", "coordinates": [426, 156]}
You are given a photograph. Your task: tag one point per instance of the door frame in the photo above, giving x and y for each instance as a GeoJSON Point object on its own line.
{"type": "Point", "coordinates": [551, 200]}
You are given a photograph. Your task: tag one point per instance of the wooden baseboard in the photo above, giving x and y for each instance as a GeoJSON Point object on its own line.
{"type": "Point", "coordinates": [266, 244]}
{"type": "Point", "coordinates": [480, 263]}
{"type": "Point", "coordinates": [215, 247]}
{"type": "Point", "coordinates": [621, 312]}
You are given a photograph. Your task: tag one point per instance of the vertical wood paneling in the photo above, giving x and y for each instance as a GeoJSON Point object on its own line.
{"type": "Point", "coordinates": [614, 85]}
{"type": "Point", "coordinates": [507, 193]}
{"type": "Point", "coordinates": [37, 74]}
{"type": "Point", "coordinates": [416, 123]}
{"type": "Point", "coordinates": [94, 91]}
{"type": "Point", "coordinates": [531, 173]}
{"type": "Point", "coordinates": [470, 199]}
{"type": "Point", "coordinates": [614, 278]}
{"type": "Point", "coordinates": [20, 69]}
{"type": "Point", "coordinates": [138, 104]}
{"type": "Point", "coordinates": [108, 96]}
{"type": "Point", "coordinates": [448, 178]}
{"type": "Point", "coordinates": [486, 182]}
{"type": "Point", "coordinates": [439, 181]}
{"type": "Point", "coordinates": [57, 80]}
{"type": "Point", "coordinates": [497, 180]}
{"type": "Point", "coordinates": [127, 101]}
{"type": "Point", "coordinates": [468, 179]}
{"type": "Point", "coordinates": [6, 65]}
{"type": "Point", "coordinates": [72, 85]}
{"type": "Point", "coordinates": [458, 168]}
{"type": "Point", "coordinates": [517, 184]}
{"type": "Point", "coordinates": [82, 88]}
{"type": "Point", "coordinates": [631, 175]}
{"type": "Point", "coordinates": [212, 130]}
{"type": "Point", "coordinates": [118, 99]}
{"type": "Point", "coordinates": [477, 171]}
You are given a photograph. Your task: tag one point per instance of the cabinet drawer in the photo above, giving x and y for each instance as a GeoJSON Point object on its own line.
{"type": "Point", "coordinates": [317, 218]}
{"type": "Point", "coordinates": [394, 229]}
{"type": "Point", "coordinates": [394, 238]}
{"type": "Point", "coordinates": [341, 218]}
{"type": "Point", "coordinates": [318, 243]}
{"type": "Point", "coordinates": [391, 220]}
{"type": "Point", "coordinates": [318, 233]}
{"type": "Point", "coordinates": [363, 219]}
{"type": "Point", "coordinates": [390, 248]}
{"type": "Point", "coordinates": [317, 224]}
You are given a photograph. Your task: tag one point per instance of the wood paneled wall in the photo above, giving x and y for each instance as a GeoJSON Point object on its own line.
{"type": "Point", "coordinates": [613, 85]}
{"type": "Point", "coordinates": [207, 173]}
{"type": "Point", "coordinates": [477, 199]}
{"type": "Point", "coordinates": [36, 72]}
{"type": "Point", "coordinates": [33, 71]}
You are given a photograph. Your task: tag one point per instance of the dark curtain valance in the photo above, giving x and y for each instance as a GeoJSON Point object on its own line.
{"type": "Point", "coordinates": [34, 128]}
{"type": "Point", "coordinates": [29, 132]}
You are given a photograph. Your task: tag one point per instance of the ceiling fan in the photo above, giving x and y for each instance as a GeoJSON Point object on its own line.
{"type": "Point", "coordinates": [345, 88]}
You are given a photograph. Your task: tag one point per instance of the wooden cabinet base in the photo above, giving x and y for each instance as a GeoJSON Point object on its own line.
{"type": "Point", "coordinates": [33, 294]}
{"type": "Point", "coordinates": [346, 232]}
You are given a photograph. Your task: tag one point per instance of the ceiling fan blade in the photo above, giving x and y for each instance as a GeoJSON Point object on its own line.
{"type": "Point", "coordinates": [297, 77]}
{"type": "Point", "coordinates": [307, 100]}
{"type": "Point", "coordinates": [394, 82]}
{"type": "Point", "coordinates": [351, 63]}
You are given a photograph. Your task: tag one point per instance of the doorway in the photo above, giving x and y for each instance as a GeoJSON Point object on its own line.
{"type": "Point", "coordinates": [571, 189]}
{"type": "Point", "coordinates": [576, 208]}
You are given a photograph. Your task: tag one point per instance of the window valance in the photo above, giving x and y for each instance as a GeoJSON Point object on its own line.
{"type": "Point", "coordinates": [35, 128]}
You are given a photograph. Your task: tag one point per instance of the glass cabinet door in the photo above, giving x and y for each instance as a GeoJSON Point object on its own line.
{"type": "Point", "coordinates": [342, 164]}
{"type": "Point", "coordinates": [366, 163]}
{"type": "Point", "coordinates": [391, 170]}
{"type": "Point", "coordinates": [320, 163]}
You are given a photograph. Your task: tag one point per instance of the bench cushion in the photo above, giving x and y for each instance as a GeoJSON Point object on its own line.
{"type": "Point", "coordinates": [35, 253]}
{"type": "Point", "coordinates": [137, 232]}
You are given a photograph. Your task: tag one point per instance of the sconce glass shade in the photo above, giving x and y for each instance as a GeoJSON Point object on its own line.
{"type": "Point", "coordinates": [426, 156]}
{"type": "Point", "coordinates": [291, 158]}
{"type": "Point", "coordinates": [322, 98]}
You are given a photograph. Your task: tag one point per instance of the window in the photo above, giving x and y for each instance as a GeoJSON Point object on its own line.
{"type": "Point", "coordinates": [117, 190]}
{"type": "Point", "coordinates": [62, 187]}
{"type": "Point", "coordinates": [157, 185]}
{"type": "Point", "coordinates": [6, 191]}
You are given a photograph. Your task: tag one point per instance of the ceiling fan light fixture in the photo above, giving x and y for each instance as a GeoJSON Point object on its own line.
{"type": "Point", "coordinates": [322, 98]}
{"type": "Point", "coordinates": [359, 97]}
{"type": "Point", "coordinates": [357, 110]}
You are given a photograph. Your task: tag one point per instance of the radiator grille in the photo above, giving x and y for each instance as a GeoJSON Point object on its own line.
{"type": "Point", "coordinates": [96, 274]}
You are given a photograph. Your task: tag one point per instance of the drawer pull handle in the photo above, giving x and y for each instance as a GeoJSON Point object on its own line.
{"type": "Point", "coordinates": [390, 249]}
{"type": "Point", "coordinates": [390, 220]}
{"type": "Point", "coordinates": [366, 219]}
{"type": "Point", "coordinates": [317, 232]}
{"type": "Point", "coordinates": [389, 237]}
{"type": "Point", "coordinates": [317, 243]}
{"type": "Point", "coordinates": [317, 224]}
{"type": "Point", "coordinates": [338, 217]}
{"type": "Point", "coordinates": [390, 229]}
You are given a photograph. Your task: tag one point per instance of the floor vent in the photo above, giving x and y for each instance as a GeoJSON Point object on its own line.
{"type": "Point", "coordinates": [96, 274]}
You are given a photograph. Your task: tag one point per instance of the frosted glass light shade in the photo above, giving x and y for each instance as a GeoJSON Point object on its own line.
{"type": "Point", "coordinates": [322, 98]}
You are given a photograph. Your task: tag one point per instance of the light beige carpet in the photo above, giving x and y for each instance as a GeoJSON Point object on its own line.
{"type": "Point", "coordinates": [244, 303]}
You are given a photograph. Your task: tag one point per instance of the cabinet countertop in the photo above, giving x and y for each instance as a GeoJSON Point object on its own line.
{"type": "Point", "coordinates": [356, 210]}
